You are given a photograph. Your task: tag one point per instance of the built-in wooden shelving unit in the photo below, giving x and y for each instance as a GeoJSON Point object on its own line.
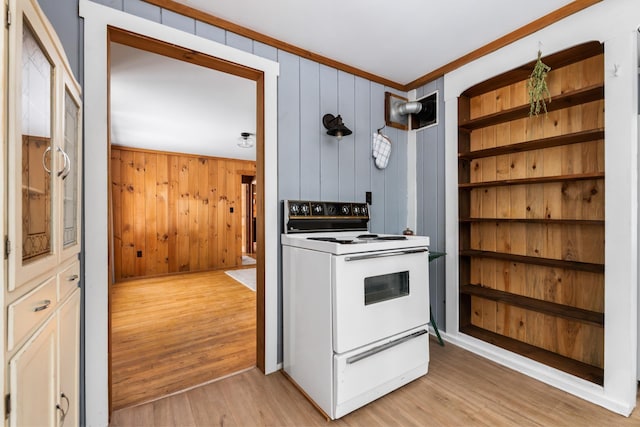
{"type": "Point", "coordinates": [531, 214]}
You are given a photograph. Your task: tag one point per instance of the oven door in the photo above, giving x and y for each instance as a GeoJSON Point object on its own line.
{"type": "Point", "coordinates": [377, 295]}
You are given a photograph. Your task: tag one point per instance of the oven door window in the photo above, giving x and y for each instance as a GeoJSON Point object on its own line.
{"type": "Point", "coordinates": [386, 287]}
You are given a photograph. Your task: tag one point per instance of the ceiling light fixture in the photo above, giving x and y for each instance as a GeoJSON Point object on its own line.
{"type": "Point", "coordinates": [335, 127]}
{"type": "Point", "coordinates": [246, 140]}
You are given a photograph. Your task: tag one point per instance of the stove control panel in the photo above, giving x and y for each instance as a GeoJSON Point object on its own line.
{"type": "Point", "coordinates": [310, 216]}
{"type": "Point", "coordinates": [307, 209]}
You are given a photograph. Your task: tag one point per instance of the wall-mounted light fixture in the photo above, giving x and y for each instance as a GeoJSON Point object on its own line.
{"type": "Point", "coordinates": [246, 140]}
{"type": "Point", "coordinates": [334, 126]}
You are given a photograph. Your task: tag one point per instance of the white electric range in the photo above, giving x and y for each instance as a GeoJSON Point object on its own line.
{"type": "Point", "coordinates": [355, 304]}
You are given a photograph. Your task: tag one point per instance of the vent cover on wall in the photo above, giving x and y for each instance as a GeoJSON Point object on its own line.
{"type": "Point", "coordinates": [428, 114]}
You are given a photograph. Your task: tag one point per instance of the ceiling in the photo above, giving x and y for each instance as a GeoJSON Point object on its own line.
{"type": "Point", "coordinates": [154, 107]}
{"type": "Point", "coordinates": [399, 40]}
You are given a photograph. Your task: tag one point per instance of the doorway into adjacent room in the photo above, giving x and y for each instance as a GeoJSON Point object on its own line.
{"type": "Point", "coordinates": [184, 210]}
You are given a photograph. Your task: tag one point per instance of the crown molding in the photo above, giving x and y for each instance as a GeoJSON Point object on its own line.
{"type": "Point", "coordinates": [524, 31]}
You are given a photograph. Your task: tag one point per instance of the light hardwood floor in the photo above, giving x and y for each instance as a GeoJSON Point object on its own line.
{"type": "Point", "coordinates": [170, 333]}
{"type": "Point", "coordinates": [461, 389]}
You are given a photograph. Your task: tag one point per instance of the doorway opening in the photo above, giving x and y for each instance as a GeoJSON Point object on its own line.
{"type": "Point", "coordinates": [249, 210]}
{"type": "Point", "coordinates": [222, 193]}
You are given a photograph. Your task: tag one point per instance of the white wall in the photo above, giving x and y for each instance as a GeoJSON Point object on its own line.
{"type": "Point", "coordinates": [97, 18]}
{"type": "Point", "coordinates": [615, 23]}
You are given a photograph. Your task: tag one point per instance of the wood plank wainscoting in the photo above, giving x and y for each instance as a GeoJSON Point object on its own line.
{"type": "Point", "coordinates": [175, 212]}
{"type": "Point", "coordinates": [531, 219]}
{"type": "Point", "coordinates": [174, 332]}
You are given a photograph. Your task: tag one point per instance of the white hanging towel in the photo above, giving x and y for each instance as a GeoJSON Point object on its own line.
{"type": "Point", "coordinates": [381, 150]}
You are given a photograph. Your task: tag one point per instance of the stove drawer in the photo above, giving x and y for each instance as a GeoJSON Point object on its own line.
{"type": "Point", "coordinates": [365, 375]}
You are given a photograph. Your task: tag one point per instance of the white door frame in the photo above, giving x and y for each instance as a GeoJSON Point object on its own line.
{"type": "Point", "coordinates": [96, 19]}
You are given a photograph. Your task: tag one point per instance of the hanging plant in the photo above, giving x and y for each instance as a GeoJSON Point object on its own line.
{"type": "Point", "coordinates": [537, 87]}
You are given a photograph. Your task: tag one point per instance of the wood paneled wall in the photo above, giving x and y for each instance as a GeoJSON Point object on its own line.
{"type": "Point", "coordinates": [175, 213]}
{"type": "Point", "coordinates": [532, 219]}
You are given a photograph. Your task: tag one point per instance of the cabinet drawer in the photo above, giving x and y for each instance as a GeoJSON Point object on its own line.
{"type": "Point", "coordinates": [68, 280]}
{"type": "Point", "coordinates": [29, 311]}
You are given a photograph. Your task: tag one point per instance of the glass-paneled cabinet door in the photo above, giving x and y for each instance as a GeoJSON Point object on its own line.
{"type": "Point", "coordinates": [37, 75]}
{"type": "Point", "coordinates": [35, 161]}
{"type": "Point", "coordinates": [71, 172]}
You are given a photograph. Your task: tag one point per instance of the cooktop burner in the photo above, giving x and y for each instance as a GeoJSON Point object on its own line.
{"type": "Point", "coordinates": [363, 238]}
{"type": "Point", "coordinates": [334, 240]}
{"type": "Point", "coordinates": [368, 236]}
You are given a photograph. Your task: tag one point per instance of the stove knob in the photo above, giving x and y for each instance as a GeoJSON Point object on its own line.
{"type": "Point", "coordinates": [356, 210]}
{"type": "Point", "coordinates": [294, 210]}
{"type": "Point", "coordinates": [331, 210]}
{"type": "Point", "coordinates": [345, 209]}
{"type": "Point", "coordinates": [304, 209]}
{"type": "Point", "coordinates": [364, 210]}
{"type": "Point", "coordinates": [317, 209]}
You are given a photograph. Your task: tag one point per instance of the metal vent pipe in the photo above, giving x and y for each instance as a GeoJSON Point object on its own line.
{"type": "Point", "coordinates": [405, 108]}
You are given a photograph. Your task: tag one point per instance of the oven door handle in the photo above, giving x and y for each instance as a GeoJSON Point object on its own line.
{"type": "Point", "coordinates": [385, 254]}
{"type": "Point", "coordinates": [383, 347]}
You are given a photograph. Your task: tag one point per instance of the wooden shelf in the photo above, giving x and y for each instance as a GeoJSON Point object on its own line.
{"type": "Point", "coordinates": [555, 61]}
{"type": "Point", "coordinates": [540, 306]}
{"type": "Point", "coordinates": [554, 141]}
{"type": "Point", "coordinates": [536, 221]}
{"type": "Point", "coordinates": [565, 100]}
{"type": "Point", "coordinates": [574, 367]}
{"type": "Point", "coordinates": [534, 180]}
{"type": "Point", "coordinates": [547, 262]}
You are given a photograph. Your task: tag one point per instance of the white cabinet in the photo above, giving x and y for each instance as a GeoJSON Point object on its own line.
{"type": "Point", "coordinates": [69, 359]}
{"type": "Point", "coordinates": [32, 376]}
{"type": "Point", "coordinates": [43, 159]}
{"type": "Point", "coordinates": [44, 372]}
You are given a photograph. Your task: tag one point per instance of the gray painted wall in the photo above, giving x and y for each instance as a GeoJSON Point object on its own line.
{"type": "Point", "coordinates": [312, 165]}
{"type": "Point", "coordinates": [431, 197]}
{"type": "Point", "coordinates": [63, 15]}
